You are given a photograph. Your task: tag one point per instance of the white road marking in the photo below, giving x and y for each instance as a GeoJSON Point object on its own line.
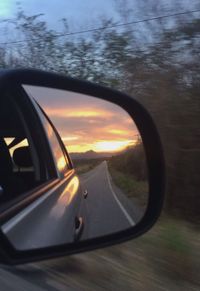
{"type": "Point", "coordinates": [128, 217]}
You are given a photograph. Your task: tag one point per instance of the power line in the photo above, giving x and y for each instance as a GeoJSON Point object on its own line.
{"type": "Point", "coordinates": [111, 26]}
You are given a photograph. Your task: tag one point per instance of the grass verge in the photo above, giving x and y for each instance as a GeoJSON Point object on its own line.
{"type": "Point", "coordinates": [84, 166]}
{"type": "Point", "coordinates": [130, 186]}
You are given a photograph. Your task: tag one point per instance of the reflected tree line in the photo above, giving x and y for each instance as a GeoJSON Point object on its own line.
{"type": "Point", "coordinates": [132, 161]}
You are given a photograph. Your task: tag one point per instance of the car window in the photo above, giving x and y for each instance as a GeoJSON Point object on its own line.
{"type": "Point", "coordinates": [20, 165]}
{"type": "Point", "coordinates": [19, 145]}
{"type": "Point", "coordinates": [60, 158]}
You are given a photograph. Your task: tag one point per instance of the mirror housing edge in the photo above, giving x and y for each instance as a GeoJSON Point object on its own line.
{"type": "Point", "coordinates": [153, 150]}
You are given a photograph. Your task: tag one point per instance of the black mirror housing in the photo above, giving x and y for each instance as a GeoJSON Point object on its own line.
{"type": "Point", "coordinates": [12, 79]}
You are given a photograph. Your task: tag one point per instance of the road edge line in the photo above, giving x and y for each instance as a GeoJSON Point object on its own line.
{"type": "Point", "coordinates": [128, 217]}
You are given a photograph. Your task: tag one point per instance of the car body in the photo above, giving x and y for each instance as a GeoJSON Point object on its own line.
{"type": "Point", "coordinates": [37, 178]}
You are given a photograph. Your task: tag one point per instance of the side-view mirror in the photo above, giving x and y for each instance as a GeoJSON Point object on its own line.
{"type": "Point", "coordinates": [81, 167]}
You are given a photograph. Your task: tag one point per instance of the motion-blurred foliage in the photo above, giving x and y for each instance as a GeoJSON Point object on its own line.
{"type": "Point", "coordinates": [131, 161]}
{"type": "Point", "coordinates": [157, 62]}
{"type": "Point", "coordinates": [165, 258]}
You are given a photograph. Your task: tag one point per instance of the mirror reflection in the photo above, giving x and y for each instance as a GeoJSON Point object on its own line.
{"type": "Point", "coordinates": [100, 163]}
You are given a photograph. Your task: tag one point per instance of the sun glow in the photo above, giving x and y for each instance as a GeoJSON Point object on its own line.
{"type": "Point", "coordinates": [101, 146]}
{"type": "Point", "coordinates": [112, 146]}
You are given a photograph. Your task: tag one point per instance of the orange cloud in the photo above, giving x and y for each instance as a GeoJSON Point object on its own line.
{"type": "Point", "coordinates": [76, 112]}
{"type": "Point", "coordinates": [70, 138]}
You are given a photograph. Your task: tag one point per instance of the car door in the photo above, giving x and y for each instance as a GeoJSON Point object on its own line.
{"type": "Point", "coordinates": [49, 213]}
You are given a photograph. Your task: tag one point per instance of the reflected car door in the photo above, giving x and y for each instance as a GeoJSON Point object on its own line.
{"type": "Point", "coordinates": [54, 218]}
{"type": "Point", "coordinates": [66, 210]}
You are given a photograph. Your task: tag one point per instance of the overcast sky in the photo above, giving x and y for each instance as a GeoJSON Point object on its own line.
{"type": "Point", "coordinates": [77, 12]}
{"type": "Point", "coordinates": [88, 14]}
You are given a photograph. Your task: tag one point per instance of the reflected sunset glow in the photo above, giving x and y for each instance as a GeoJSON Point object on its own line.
{"type": "Point", "coordinates": [86, 123]}
{"type": "Point", "coordinates": [65, 198]}
{"type": "Point", "coordinates": [107, 131]}
{"type": "Point", "coordinates": [61, 163]}
{"type": "Point", "coordinates": [101, 146]}
{"type": "Point", "coordinates": [112, 146]}
{"type": "Point", "coordinates": [70, 191]}
{"type": "Point", "coordinates": [83, 112]}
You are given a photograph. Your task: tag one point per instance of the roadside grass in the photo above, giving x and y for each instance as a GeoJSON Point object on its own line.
{"type": "Point", "coordinates": [167, 257]}
{"type": "Point", "coordinates": [130, 186]}
{"type": "Point", "coordinates": [81, 169]}
{"type": "Point", "coordinates": [84, 166]}
{"type": "Point", "coordinates": [173, 250]}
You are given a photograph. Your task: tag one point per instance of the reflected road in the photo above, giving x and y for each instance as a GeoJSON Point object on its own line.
{"type": "Point", "coordinates": [108, 209]}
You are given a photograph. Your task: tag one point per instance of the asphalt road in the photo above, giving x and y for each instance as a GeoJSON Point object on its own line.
{"type": "Point", "coordinates": [107, 210]}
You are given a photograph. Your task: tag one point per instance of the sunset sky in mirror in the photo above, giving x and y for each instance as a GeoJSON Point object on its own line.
{"type": "Point", "coordinates": [86, 123]}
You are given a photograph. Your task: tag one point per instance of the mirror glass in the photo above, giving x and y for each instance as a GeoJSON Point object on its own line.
{"type": "Point", "coordinates": [102, 185]}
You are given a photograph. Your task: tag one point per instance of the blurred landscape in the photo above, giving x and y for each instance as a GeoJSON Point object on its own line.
{"type": "Point", "coordinates": [166, 258]}
{"type": "Point", "coordinates": [158, 63]}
